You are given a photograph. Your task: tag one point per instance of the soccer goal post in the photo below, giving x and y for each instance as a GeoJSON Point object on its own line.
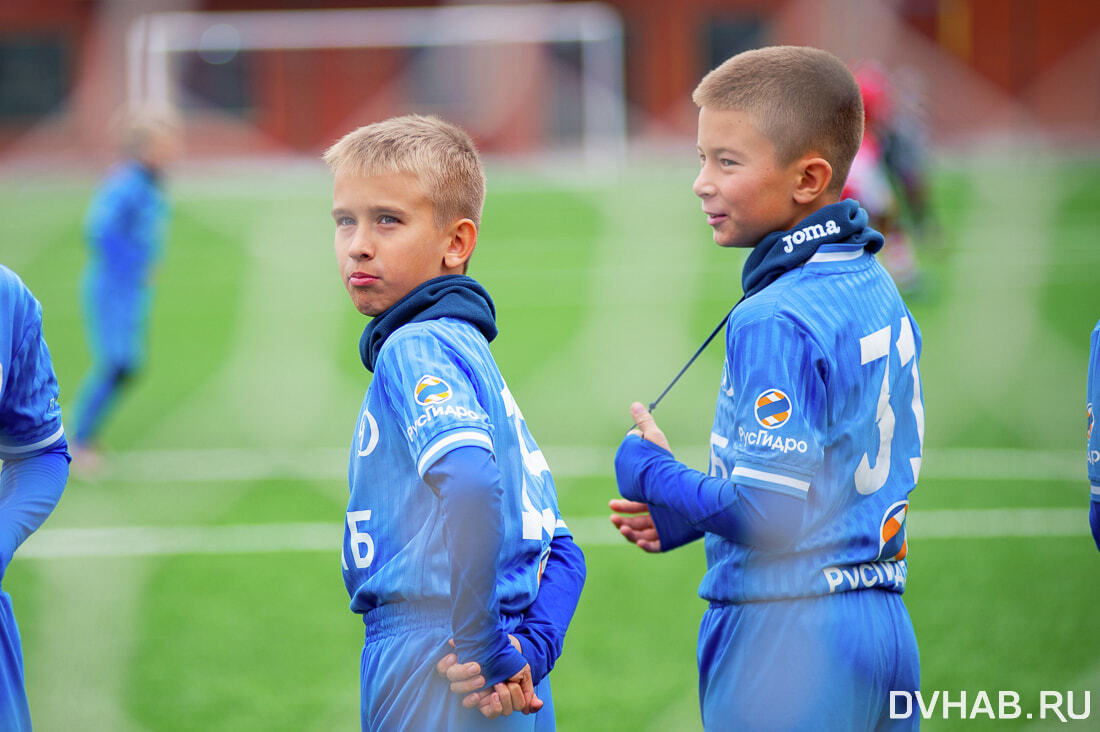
{"type": "Point", "coordinates": [595, 28]}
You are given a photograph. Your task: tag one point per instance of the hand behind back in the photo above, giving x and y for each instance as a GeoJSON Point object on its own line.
{"type": "Point", "coordinates": [516, 694]}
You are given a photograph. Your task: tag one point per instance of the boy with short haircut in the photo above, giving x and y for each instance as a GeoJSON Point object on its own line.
{"type": "Point", "coordinates": [453, 536]}
{"type": "Point", "coordinates": [817, 432]}
{"type": "Point", "coordinates": [36, 464]}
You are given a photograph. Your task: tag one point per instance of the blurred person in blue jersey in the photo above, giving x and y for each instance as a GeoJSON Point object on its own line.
{"type": "Point", "coordinates": [816, 440]}
{"type": "Point", "coordinates": [125, 227]}
{"type": "Point", "coordinates": [36, 464]}
{"type": "Point", "coordinates": [1092, 438]}
{"type": "Point", "coordinates": [454, 551]}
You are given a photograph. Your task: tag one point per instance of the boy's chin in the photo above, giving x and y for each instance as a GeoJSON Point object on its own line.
{"type": "Point", "coordinates": [731, 239]}
{"type": "Point", "coordinates": [369, 309]}
{"type": "Point", "coordinates": [727, 242]}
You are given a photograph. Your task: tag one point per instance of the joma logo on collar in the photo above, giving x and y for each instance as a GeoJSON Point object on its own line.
{"type": "Point", "coordinates": [809, 233]}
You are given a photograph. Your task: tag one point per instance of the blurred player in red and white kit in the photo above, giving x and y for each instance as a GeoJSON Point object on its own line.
{"type": "Point", "coordinates": [888, 177]}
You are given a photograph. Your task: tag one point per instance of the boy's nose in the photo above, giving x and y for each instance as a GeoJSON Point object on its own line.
{"type": "Point", "coordinates": [361, 246]}
{"type": "Point", "coordinates": [702, 186]}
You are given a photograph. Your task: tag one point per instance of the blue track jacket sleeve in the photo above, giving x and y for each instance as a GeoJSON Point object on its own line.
{"type": "Point", "coordinates": [746, 515]}
{"type": "Point", "coordinates": [1094, 522]}
{"type": "Point", "coordinates": [29, 490]}
{"type": "Point", "coordinates": [672, 530]}
{"type": "Point", "coordinates": [1092, 439]}
{"type": "Point", "coordinates": [542, 632]}
{"type": "Point", "coordinates": [467, 481]}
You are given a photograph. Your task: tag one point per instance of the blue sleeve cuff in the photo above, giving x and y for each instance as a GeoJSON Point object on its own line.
{"type": "Point", "coordinates": [542, 633]}
{"type": "Point", "coordinates": [633, 456]}
{"type": "Point", "coordinates": [746, 515]}
{"type": "Point", "coordinates": [631, 460]}
{"type": "Point", "coordinates": [502, 664]}
{"type": "Point", "coordinates": [672, 530]}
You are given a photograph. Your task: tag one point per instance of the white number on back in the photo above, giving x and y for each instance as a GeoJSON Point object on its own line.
{"type": "Point", "coordinates": [534, 463]}
{"type": "Point", "coordinates": [357, 539]}
{"type": "Point", "coordinates": [872, 348]}
{"type": "Point", "coordinates": [532, 459]}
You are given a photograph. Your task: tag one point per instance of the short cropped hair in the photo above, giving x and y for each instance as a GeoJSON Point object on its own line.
{"type": "Point", "coordinates": [804, 100]}
{"type": "Point", "coordinates": [437, 152]}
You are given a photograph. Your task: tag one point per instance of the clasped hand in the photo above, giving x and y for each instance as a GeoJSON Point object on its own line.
{"type": "Point", "coordinates": [516, 694]}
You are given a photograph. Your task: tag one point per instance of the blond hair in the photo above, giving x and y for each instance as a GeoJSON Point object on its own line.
{"type": "Point", "coordinates": [804, 100]}
{"type": "Point", "coordinates": [437, 152]}
{"type": "Point", "coordinates": [135, 129]}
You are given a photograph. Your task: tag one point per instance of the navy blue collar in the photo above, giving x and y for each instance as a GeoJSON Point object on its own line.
{"type": "Point", "coordinates": [449, 296]}
{"type": "Point", "coordinates": [782, 251]}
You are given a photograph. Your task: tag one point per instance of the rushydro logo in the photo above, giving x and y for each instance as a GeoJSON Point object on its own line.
{"type": "Point", "coordinates": [773, 409]}
{"type": "Point", "coordinates": [432, 390]}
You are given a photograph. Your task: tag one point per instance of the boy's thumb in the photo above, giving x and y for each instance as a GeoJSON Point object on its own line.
{"type": "Point", "coordinates": [641, 415]}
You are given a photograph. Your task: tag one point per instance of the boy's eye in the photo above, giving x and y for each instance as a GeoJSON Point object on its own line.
{"type": "Point", "coordinates": [344, 221]}
{"type": "Point", "coordinates": [387, 219]}
{"type": "Point", "coordinates": [726, 162]}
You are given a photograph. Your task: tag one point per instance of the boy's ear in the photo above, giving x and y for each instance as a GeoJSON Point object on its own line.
{"type": "Point", "coordinates": [462, 238]}
{"type": "Point", "coordinates": [815, 176]}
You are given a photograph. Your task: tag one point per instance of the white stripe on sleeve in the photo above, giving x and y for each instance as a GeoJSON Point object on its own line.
{"type": "Point", "coordinates": [20, 449]}
{"type": "Point", "coordinates": [776, 478]}
{"type": "Point", "coordinates": [446, 441]}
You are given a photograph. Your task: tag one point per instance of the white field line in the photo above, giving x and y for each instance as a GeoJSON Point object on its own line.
{"type": "Point", "coordinates": [566, 461]}
{"type": "Point", "coordinates": [141, 541]}
{"type": "Point", "coordinates": [589, 531]}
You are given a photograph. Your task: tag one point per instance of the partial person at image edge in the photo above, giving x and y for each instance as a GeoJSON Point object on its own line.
{"type": "Point", "coordinates": [36, 465]}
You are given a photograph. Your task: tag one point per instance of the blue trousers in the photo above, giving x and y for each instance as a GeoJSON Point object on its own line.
{"type": "Point", "coordinates": [116, 318]}
{"type": "Point", "coordinates": [819, 663]}
{"type": "Point", "coordinates": [15, 716]}
{"type": "Point", "coordinates": [401, 689]}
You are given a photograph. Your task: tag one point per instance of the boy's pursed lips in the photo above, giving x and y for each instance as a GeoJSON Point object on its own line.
{"type": "Point", "coordinates": [361, 279]}
{"type": "Point", "coordinates": [714, 218]}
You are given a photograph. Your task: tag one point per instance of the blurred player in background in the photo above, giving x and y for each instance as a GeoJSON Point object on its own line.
{"type": "Point", "coordinates": [888, 175]}
{"type": "Point", "coordinates": [816, 441]}
{"type": "Point", "coordinates": [36, 464]}
{"type": "Point", "coordinates": [1092, 440]}
{"type": "Point", "coordinates": [125, 228]}
{"type": "Point", "coordinates": [453, 534]}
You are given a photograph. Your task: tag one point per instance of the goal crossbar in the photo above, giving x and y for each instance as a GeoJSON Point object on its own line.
{"type": "Point", "coordinates": [596, 27]}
